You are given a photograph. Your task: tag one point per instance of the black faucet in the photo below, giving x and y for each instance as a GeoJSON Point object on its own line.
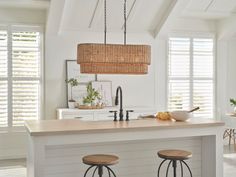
{"type": "Point", "coordinates": [121, 115]}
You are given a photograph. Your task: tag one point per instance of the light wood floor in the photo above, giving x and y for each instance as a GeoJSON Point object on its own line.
{"type": "Point", "coordinates": [17, 168]}
{"type": "Point", "coordinates": [229, 161]}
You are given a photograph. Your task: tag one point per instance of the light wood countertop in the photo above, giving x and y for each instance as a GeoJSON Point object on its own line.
{"type": "Point", "coordinates": [73, 126]}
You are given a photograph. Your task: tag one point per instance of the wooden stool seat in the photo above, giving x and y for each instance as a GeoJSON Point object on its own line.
{"type": "Point", "coordinates": [173, 154]}
{"type": "Point", "coordinates": [100, 159]}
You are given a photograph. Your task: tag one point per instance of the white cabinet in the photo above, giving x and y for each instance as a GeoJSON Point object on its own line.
{"type": "Point", "coordinates": [102, 114]}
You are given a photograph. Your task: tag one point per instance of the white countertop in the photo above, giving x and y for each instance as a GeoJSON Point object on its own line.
{"type": "Point", "coordinates": [71, 126]}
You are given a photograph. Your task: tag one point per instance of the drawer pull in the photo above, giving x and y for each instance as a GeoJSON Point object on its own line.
{"type": "Point", "coordinates": [78, 117]}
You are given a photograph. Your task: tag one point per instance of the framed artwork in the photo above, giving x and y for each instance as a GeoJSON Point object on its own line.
{"type": "Point", "coordinates": [73, 71]}
{"type": "Point", "coordinates": [105, 90]}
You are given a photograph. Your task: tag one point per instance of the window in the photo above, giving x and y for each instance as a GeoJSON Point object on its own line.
{"type": "Point", "coordinates": [191, 75]}
{"type": "Point", "coordinates": [20, 75]}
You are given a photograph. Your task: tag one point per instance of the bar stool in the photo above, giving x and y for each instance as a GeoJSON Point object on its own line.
{"type": "Point", "coordinates": [174, 156]}
{"type": "Point", "coordinates": [100, 161]}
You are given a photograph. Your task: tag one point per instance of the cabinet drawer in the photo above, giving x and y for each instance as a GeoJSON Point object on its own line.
{"type": "Point", "coordinates": [102, 116]}
{"type": "Point", "coordinates": [78, 116]}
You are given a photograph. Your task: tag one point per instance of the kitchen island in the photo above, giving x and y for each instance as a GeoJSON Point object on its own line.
{"type": "Point", "coordinates": [56, 147]}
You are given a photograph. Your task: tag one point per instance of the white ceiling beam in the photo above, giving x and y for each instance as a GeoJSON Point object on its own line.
{"type": "Point", "coordinates": [164, 17]}
{"type": "Point", "coordinates": [176, 12]}
{"type": "Point", "coordinates": [55, 16]}
{"type": "Point", "coordinates": [33, 4]}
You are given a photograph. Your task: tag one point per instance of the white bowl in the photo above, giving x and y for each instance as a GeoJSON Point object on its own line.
{"type": "Point", "coordinates": [180, 115]}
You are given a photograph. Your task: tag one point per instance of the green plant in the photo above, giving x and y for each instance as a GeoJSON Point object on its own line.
{"type": "Point", "coordinates": [92, 95]}
{"type": "Point", "coordinates": [73, 83]}
{"type": "Point", "coordinates": [232, 102]}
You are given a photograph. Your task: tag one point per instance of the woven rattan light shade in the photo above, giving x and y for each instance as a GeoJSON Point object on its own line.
{"type": "Point", "coordinates": [113, 58]}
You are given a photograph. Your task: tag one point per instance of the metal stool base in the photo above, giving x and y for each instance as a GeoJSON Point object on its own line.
{"type": "Point", "coordinates": [100, 168]}
{"type": "Point", "coordinates": [174, 165]}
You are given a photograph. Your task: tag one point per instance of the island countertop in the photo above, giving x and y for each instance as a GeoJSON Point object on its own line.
{"type": "Point", "coordinates": [71, 126]}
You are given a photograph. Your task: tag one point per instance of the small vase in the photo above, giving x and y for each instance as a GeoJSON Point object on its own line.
{"type": "Point", "coordinates": [71, 105]}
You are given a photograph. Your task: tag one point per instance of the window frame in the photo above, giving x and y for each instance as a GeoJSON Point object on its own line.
{"type": "Point", "coordinates": [10, 28]}
{"type": "Point", "coordinates": [193, 35]}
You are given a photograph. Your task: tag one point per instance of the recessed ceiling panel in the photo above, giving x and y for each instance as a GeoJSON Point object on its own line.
{"type": "Point", "coordinates": [209, 9]}
{"type": "Point", "coordinates": [78, 13]}
{"type": "Point", "coordinates": [199, 5]}
{"type": "Point", "coordinates": [222, 6]}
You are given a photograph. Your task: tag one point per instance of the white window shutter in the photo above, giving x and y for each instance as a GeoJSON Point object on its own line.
{"type": "Point", "coordinates": [203, 63]}
{"type": "Point", "coordinates": [3, 54]}
{"type": "Point", "coordinates": [191, 75]}
{"type": "Point", "coordinates": [3, 104]}
{"type": "Point", "coordinates": [25, 101]}
{"type": "Point", "coordinates": [203, 97]}
{"type": "Point", "coordinates": [26, 72]}
{"type": "Point", "coordinates": [26, 54]}
{"type": "Point", "coordinates": [179, 57]}
{"type": "Point", "coordinates": [20, 77]}
{"type": "Point", "coordinates": [3, 79]}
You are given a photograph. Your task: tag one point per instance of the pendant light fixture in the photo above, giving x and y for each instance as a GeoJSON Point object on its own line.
{"type": "Point", "coordinates": [113, 58]}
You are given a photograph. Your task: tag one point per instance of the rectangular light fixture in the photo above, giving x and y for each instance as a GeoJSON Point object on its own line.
{"type": "Point", "coordinates": [113, 58]}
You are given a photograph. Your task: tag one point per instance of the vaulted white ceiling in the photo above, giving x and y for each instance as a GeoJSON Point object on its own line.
{"type": "Point", "coordinates": [88, 15]}
{"type": "Point", "coordinates": [210, 9]}
{"type": "Point", "coordinates": [143, 15]}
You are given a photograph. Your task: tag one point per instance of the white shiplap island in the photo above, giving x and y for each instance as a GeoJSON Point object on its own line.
{"type": "Point", "coordinates": [56, 147]}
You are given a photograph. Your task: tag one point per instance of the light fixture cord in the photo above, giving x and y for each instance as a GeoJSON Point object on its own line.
{"type": "Point", "coordinates": [125, 20]}
{"type": "Point", "coordinates": [105, 21]}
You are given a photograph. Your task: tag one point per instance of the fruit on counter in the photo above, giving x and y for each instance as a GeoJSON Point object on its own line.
{"type": "Point", "coordinates": [163, 116]}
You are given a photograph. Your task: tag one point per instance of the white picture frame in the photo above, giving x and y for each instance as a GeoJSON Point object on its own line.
{"type": "Point", "coordinates": [73, 71]}
{"type": "Point", "coordinates": [105, 90]}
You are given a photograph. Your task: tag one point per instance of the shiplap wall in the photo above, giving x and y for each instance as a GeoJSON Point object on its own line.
{"type": "Point", "coordinates": [137, 158]}
{"type": "Point", "coordinates": [13, 145]}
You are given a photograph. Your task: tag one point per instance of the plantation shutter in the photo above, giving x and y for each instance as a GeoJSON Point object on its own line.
{"type": "Point", "coordinates": [26, 76]}
{"type": "Point", "coordinates": [179, 72]}
{"type": "Point", "coordinates": [3, 79]}
{"type": "Point", "coordinates": [191, 75]}
{"type": "Point", "coordinates": [203, 75]}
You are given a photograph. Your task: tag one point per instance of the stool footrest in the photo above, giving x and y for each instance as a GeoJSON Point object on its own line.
{"type": "Point", "coordinates": [174, 165]}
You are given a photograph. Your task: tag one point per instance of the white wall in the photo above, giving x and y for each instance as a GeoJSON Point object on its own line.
{"type": "Point", "coordinates": [13, 143]}
{"type": "Point", "coordinates": [175, 26]}
{"type": "Point", "coordinates": [227, 27]}
{"type": "Point", "coordinates": [137, 90]}
{"type": "Point", "coordinates": [147, 90]}
{"type": "Point", "coordinates": [226, 85]}
{"type": "Point", "coordinates": [226, 63]}
{"type": "Point", "coordinates": [188, 25]}
{"type": "Point", "coordinates": [22, 16]}
{"type": "Point", "coordinates": [231, 74]}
